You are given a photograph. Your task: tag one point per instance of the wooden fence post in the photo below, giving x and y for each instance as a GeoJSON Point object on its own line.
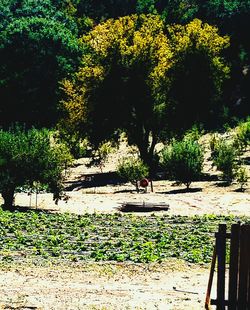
{"type": "Point", "coordinates": [234, 267]}
{"type": "Point", "coordinates": [221, 251]}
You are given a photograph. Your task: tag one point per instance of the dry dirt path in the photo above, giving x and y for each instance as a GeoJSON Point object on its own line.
{"type": "Point", "coordinates": [204, 198]}
{"type": "Point", "coordinates": [172, 285]}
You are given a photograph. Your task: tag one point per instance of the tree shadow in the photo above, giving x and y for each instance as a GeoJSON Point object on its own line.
{"type": "Point", "coordinates": [131, 191]}
{"type": "Point", "coordinates": [240, 190]}
{"type": "Point", "coordinates": [245, 160]}
{"type": "Point", "coordinates": [25, 209]}
{"type": "Point", "coordinates": [93, 180]}
{"type": "Point", "coordinates": [182, 191]}
{"type": "Point", "coordinates": [208, 177]}
{"type": "Point", "coordinates": [222, 184]}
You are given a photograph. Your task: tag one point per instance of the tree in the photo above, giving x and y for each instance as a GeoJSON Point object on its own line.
{"type": "Point", "coordinates": [124, 82]}
{"type": "Point", "coordinates": [27, 157]}
{"type": "Point", "coordinates": [38, 48]}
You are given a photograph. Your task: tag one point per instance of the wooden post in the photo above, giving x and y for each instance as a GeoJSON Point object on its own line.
{"type": "Point", "coordinates": [221, 251]}
{"type": "Point", "coordinates": [234, 267]}
{"type": "Point", "coordinates": [244, 267]}
{"type": "Point", "coordinates": [210, 281]}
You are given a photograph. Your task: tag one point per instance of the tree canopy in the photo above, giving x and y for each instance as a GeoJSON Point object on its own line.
{"type": "Point", "coordinates": [36, 52]}
{"type": "Point", "coordinates": [157, 66]}
{"type": "Point", "coordinates": [126, 80]}
{"type": "Point", "coordinates": [27, 157]}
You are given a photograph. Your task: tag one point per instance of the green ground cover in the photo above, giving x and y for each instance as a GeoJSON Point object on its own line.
{"type": "Point", "coordinates": [109, 237]}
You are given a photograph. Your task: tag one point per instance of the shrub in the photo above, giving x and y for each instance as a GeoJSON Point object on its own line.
{"type": "Point", "coordinates": [194, 133]}
{"type": "Point", "coordinates": [183, 161]}
{"type": "Point", "coordinates": [28, 158]}
{"type": "Point", "coordinates": [103, 152]}
{"type": "Point", "coordinates": [242, 139]}
{"type": "Point", "coordinates": [225, 159]}
{"type": "Point", "coordinates": [213, 144]}
{"type": "Point", "coordinates": [132, 170]}
{"type": "Point", "coordinates": [242, 177]}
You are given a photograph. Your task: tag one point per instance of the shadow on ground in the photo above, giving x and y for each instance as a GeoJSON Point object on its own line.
{"type": "Point", "coordinates": [94, 180]}
{"type": "Point", "coordinates": [182, 191]}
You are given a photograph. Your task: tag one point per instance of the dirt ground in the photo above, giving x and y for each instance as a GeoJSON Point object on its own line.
{"type": "Point", "coordinates": [172, 285]}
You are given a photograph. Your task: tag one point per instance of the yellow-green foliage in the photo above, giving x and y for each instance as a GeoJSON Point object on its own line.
{"type": "Point", "coordinates": [202, 37]}
{"type": "Point", "coordinates": [140, 41]}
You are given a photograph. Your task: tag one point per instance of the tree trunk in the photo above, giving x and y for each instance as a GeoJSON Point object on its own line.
{"type": "Point", "coordinates": [147, 153]}
{"type": "Point", "coordinates": [8, 197]}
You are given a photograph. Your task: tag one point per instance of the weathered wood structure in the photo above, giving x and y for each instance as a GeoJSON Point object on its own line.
{"type": "Point", "coordinates": [236, 295]}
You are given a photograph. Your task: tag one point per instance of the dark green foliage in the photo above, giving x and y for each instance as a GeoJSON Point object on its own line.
{"type": "Point", "coordinates": [194, 93]}
{"type": "Point", "coordinates": [49, 9]}
{"type": "Point", "coordinates": [101, 10]}
{"type": "Point", "coordinates": [28, 157]}
{"type": "Point", "coordinates": [39, 47]}
{"type": "Point", "coordinates": [183, 161]}
{"type": "Point", "coordinates": [36, 52]}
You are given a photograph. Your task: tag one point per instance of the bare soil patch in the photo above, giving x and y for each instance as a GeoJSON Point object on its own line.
{"type": "Point", "coordinates": [170, 285]}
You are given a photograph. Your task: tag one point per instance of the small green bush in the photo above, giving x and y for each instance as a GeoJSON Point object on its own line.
{"type": "Point", "coordinates": [242, 178]}
{"type": "Point", "coordinates": [132, 170]}
{"type": "Point", "coordinates": [194, 133]}
{"type": "Point", "coordinates": [225, 159]}
{"type": "Point", "coordinates": [242, 139]}
{"type": "Point", "coordinates": [183, 161]}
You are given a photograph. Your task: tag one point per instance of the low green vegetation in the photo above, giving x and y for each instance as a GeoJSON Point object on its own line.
{"type": "Point", "coordinates": [242, 139]}
{"type": "Point", "coordinates": [183, 160]}
{"type": "Point", "coordinates": [132, 170]}
{"type": "Point", "coordinates": [111, 237]}
{"type": "Point", "coordinates": [227, 155]}
{"type": "Point", "coordinates": [225, 159]}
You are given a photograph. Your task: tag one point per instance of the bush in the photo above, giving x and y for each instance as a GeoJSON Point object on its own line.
{"type": "Point", "coordinates": [242, 139]}
{"type": "Point", "coordinates": [225, 159]}
{"type": "Point", "coordinates": [194, 133]}
{"type": "Point", "coordinates": [132, 170]}
{"type": "Point", "coordinates": [183, 161]}
{"type": "Point", "coordinates": [242, 177]}
{"type": "Point", "coordinates": [28, 158]}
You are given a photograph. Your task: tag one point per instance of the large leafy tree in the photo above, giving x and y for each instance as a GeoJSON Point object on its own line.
{"type": "Point", "coordinates": [38, 47]}
{"type": "Point", "coordinates": [125, 82]}
{"type": "Point", "coordinates": [119, 83]}
{"type": "Point", "coordinates": [27, 157]}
